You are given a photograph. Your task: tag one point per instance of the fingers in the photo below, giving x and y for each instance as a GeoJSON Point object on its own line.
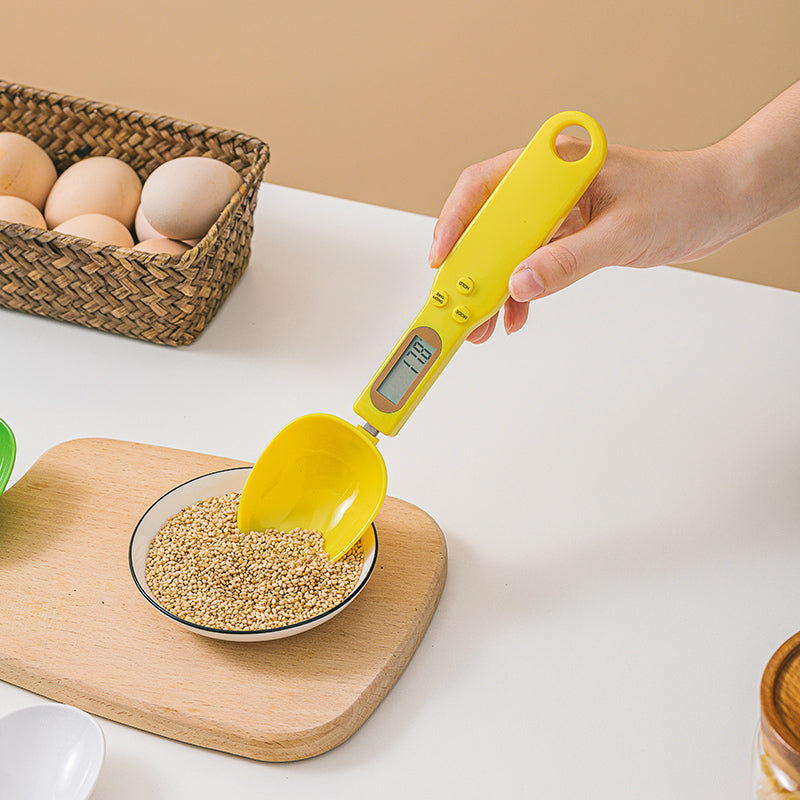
{"type": "Point", "coordinates": [483, 332]}
{"type": "Point", "coordinates": [572, 224]}
{"type": "Point", "coordinates": [471, 191]}
{"type": "Point", "coordinates": [564, 261]}
{"type": "Point", "coordinates": [514, 316]}
{"type": "Point", "coordinates": [576, 250]}
{"type": "Point", "coordinates": [550, 268]}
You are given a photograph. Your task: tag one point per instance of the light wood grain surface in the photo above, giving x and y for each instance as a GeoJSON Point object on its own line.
{"type": "Point", "coordinates": [75, 628]}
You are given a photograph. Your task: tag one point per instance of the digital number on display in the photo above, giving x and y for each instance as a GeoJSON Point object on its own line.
{"type": "Point", "coordinates": [406, 370]}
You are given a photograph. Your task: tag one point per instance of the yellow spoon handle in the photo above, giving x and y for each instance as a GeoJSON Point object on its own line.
{"type": "Point", "coordinates": [524, 211]}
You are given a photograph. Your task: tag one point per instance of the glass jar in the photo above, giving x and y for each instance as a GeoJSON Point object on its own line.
{"type": "Point", "coordinates": [777, 750]}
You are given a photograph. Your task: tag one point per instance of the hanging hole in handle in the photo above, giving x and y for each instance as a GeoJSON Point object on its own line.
{"type": "Point", "coordinates": [573, 143]}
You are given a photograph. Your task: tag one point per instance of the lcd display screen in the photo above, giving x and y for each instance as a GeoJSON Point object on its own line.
{"type": "Point", "coordinates": [406, 370]}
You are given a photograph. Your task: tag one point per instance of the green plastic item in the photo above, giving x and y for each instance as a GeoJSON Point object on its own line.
{"type": "Point", "coordinates": [8, 453]}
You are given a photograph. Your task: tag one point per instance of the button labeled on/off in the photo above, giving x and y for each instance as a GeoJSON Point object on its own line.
{"type": "Point", "coordinates": [439, 298]}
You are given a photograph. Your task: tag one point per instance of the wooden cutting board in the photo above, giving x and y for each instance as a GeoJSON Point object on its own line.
{"type": "Point", "coordinates": [74, 627]}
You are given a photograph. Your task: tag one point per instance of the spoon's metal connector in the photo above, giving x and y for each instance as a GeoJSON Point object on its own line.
{"type": "Point", "coordinates": [370, 430]}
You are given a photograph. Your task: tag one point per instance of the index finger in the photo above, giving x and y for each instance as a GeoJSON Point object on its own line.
{"type": "Point", "coordinates": [471, 191]}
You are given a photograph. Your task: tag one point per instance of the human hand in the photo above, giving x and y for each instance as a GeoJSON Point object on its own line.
{"type": "Point", "coordinates": [644, 208]}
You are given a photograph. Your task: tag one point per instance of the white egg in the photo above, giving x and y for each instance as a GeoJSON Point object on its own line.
{"type": "Point", "coordinates": [183, 197]}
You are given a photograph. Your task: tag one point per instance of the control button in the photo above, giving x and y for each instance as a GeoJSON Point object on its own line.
{"type": "Point", "coordinates": [461, 314]}
{"type": "Point", "coordinates": [439, 298]}
{"type": "Point", "coordinates": [465, 285]}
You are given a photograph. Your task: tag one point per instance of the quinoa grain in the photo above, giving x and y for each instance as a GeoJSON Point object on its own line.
{"type": "Point", "coordinates": [203, 569]}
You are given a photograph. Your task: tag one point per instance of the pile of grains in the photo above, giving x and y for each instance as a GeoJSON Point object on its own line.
{"type": "Point", "coordinates": [203, 569]}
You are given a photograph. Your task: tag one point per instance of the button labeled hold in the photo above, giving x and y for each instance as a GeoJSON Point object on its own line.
{"type": "Point", "coordinates": [465, 285]}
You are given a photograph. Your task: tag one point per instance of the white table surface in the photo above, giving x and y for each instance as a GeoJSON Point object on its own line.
{"type": "Point", "coordinates": [619, 486]}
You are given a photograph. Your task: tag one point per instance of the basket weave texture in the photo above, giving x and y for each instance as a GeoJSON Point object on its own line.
{"type": "Point", "coordinates": [155, 297]}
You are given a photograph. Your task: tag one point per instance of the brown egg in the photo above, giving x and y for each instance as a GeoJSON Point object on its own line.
{"type": "Point", "coordinates": [97, 227]}
{"type": "Point", "coordinates": [144, 230]}
{"type": "Point", "coordinates": [15, 209]}
{"type": "Point", "coordinates": [183, 197]}
{"type": "Point", "coordinates": [97, 185]}
{"type": "Point", "coordinates": [162, 245]}
{"type": "Point", "coordinates": [26, 170]}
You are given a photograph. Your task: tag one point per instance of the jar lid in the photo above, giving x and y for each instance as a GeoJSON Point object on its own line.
{"type": "Point", "coordinates": [780, 708]}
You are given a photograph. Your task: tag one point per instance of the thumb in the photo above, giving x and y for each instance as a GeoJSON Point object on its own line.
{"type": "Point", "coordinates": [562, 262]}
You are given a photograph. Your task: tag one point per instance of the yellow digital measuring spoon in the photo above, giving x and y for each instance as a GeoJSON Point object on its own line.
{"type": "Point", "coordinates": [326, 474]}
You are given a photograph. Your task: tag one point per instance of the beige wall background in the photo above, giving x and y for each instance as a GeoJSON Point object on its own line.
{"type": "Point", "coordinates": [385, 102]}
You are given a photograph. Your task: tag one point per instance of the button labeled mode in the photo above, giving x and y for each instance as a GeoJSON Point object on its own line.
{"type": "Point", "coordinates": [461, 314]}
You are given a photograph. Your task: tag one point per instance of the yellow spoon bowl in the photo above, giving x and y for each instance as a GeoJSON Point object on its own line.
{"type": "Point", "coordinates": [319, 473]}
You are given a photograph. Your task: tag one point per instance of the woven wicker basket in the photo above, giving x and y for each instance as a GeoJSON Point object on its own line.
{"type": "Point", "coordinates": [156, 297]}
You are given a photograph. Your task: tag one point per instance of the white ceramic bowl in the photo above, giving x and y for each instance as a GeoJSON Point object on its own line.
{"type": "Point", "coordinates": [49, 752]}
{"type": "Point", "coordinates": [212, 485]}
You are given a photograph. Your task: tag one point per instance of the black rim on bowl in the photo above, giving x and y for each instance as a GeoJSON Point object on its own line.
{"type": "Point", "coordinates": [319, 618]}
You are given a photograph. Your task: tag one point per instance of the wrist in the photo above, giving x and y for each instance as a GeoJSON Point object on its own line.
{"type": "Point", "coordinates": [761, 162]}
{"type": "Point", "coordinates": [742, 184]}
{"type": "Point", "coordinates": [715, 198]}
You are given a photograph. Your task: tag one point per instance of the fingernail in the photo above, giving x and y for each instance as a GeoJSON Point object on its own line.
{"type": "Point", "coordinates": [525, 285]}
{"type": "Point", "coordinates": [432, 252]}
